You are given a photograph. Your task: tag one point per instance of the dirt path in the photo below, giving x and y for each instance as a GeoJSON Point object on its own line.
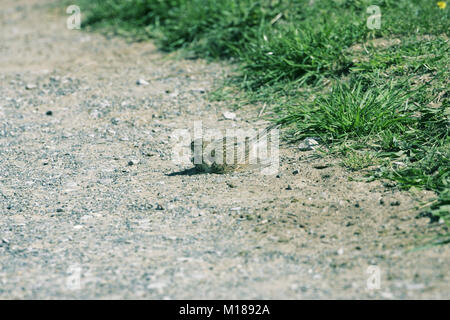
{"type": "Point", "coordinates": [89, 208]}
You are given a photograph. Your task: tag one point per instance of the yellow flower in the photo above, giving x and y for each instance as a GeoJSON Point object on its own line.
{"type": "Point", "coordinates": [442, 4]}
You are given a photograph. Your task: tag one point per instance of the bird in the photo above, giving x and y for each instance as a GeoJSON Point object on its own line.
{"type": "Point", "coordinates": [231, 154]}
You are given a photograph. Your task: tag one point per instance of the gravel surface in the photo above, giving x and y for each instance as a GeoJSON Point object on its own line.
{"type": "Point", "coordinates": [92, 207]}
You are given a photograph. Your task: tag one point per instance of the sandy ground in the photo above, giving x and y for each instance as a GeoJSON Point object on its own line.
{"type": "Point", "coordinates": [92, 206]}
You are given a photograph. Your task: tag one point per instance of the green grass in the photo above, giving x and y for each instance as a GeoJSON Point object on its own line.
{"type": "Point", "coordinates": [355, 161]}
{"type": "Point", "coordinates": [381, 95]}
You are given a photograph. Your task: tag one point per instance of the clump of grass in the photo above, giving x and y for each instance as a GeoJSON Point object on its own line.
{"type": "Point", "coordinates": [215, 28]}
{"type": "Point", "coordinates": [297, 54]}
{"type": "Point", "coordinates": [349, 112]}
{"type": "Point", "coordinates": [354, 160]}
{"type": "Point", "coordinates": [133, 18]}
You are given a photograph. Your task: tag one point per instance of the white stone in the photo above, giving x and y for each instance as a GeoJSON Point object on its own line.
{"type": "Point", "coordinates": [308, 144]}
{"type": "Point", "coordinates": [142, 82]}
{"type": "Point", "coordinates": [229, 115]}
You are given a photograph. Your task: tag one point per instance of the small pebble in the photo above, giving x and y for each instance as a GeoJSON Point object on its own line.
{"type": "Point", "coordinates": [308, 144]}
{"type": "Point", "coordinates": [142, 82]}
{"type": "Point", "coordinates": [389, 184]}
{"type": "Point", "coordinates": [321, 165]}
{"type": "Point", "coordinates": [229, 115]}
{"type": "Point", "coordinates": [199, 90]}
{"type": "Point", "coordinates": [387, 295]}
{"type": "Point", "coordinates": [395, 203]}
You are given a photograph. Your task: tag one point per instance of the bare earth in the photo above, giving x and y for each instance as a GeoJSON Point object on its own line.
{"type": "Point", "coordinates": [91, 205]}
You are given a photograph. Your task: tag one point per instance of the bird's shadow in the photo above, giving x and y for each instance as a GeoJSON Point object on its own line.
{"type": "Point", "coordinates": [186, 172]}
